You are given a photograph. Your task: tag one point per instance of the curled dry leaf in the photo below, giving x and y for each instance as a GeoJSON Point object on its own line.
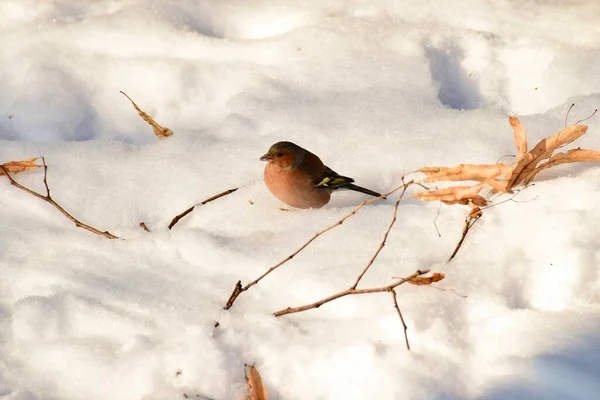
{"type": "Point", "coordinates": [160, 131]}
{"type": "Point", "coordinates": [466, 195]}
{"type": "Point", "coordinates": [475, 213]}
{"type": "Point", "coordinates": [502, 177]}
{"type": "Point", "coordinates": [571, 156]}
{"type": "Point", "coordinates": [520, 135]}
{"type": "Point", "coordinates": [465, 172]}
{"type": "Point", "coordinates": [427, 280]}
{"type": "Point", "coordinates": [14, 167]}
{"type": "Point", "coordinates": [256, 388]}
{"type": "Point", "coordinates": [544, 149]}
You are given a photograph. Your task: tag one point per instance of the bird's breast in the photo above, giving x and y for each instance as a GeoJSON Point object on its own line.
{"type": "Point", "coordinates": [294, 187]}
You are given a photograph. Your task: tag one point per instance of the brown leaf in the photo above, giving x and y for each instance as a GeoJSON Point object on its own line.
{"type": "Point", "coordinates": [544, 149]}
{"type": "Point", "coordinates": [427, 280]}
{"type": "Point", "coordinates": [571, 156]}
{"type": "Point", "coordinates": [465, 172]}
{"type": "Point", "coordinates": [256, 388]}
{"type": "Point", "coordinates": [159, 131]}
{"type": "Point", "coordinates": [14, 167]}
{"type": "Point", "coordinates": [466, 195]}
{"type": "Point", "coordinates": [475, 213]}
{"type": "Point", "coordinates": [520, 135]}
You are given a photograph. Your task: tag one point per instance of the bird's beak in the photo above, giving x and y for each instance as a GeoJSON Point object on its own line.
{"type": "Point", "coordinates": [267, 157]}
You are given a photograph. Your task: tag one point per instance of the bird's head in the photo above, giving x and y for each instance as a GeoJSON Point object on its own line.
{"type": "Point", "coordinates": [284, 154]}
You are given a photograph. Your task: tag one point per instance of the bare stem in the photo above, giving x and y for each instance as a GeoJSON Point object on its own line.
{"type": "Point", "coordinates": [393, 292]}
{"type": "Point", "coordinates": [469, 222]}
{"type": "Point", "coordinates": [348, 292]}
{"type": "Point", "coordinates": [47, 198]}
{"type": "Point", "coordinates": [382, 244]}
{"type": "Point", "coordinates": [239, 289]}
{"type": "Point", "coordinates": [189, 210]}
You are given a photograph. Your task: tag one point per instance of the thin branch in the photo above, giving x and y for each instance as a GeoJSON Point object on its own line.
{"type": "Point", "coordinates": [348, 292]}
{"type": "Point", "coordinates": [382, 244]}
{"type": "Point", "coordinates": [179, 216]}
{"type": "Point", "coordinates": [238, 289]}
{"type": "Point", "coordinates": [464, 296]}
{"type": "Point", "coordinates": [585, 119]}
{"type": "Point", "coordinates": [393, 292]}
{"type": "Point", "coordinates": [435, 220]}
{"type": "Point", "coordinates": [568, 111]}
{"type": "Point", "coordinates": [469, 222]}
{"type": "Point", "coordinates": [189, 210]}
{"type": "Point", "coordinates": [47, 198]}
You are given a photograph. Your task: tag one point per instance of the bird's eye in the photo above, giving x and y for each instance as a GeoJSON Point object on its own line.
{"type": "Point", "coordinates": [279, 155]}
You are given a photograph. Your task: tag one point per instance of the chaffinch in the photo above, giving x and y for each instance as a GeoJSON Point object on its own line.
{"type": "Point", "coordinates": [300, 179]}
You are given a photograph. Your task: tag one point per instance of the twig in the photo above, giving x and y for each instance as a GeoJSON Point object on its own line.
{"type": "Point", "coordinates": [568, 111]}
{"type": "Point", "coordinates": [239, 289]}
{"type": "Point", "coordinates": [469, 222]}
{"type": "Point", "coordinates": [189, 210]}
{"type": "Point", "coordinates": [464, 296]}
{"type": "Point", "coordinates": [348, 292]}
{"type": "Point", "coordinates": [144, 227]}
{"type": "Point", "coordinates": [179, 216]}
{"type": "Point", "coordinates": [435, 220]}
{"type": "Point", "coordinates": [382, 244]}
{"type": "Point", "coordinates": [47, 198]}
{"type": "Point", "coordinates": [393, 292]}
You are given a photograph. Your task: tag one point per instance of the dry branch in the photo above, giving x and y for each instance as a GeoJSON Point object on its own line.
{"type": "Point", "coordinates": [414, 279]}
{"type": "Point", "coordinates": [393, 292]}
{"type": "Point", "coordinates": [382, 244]}
{"type": "Point", "coordinates": [239, 289]}
{"type": "Point", "coordinates": [471, 219]}
{"type": "Point", "coordinates": [349, 292]}
{"type": "Point", "coordinates": [189, 210]}
{"type": "Point", "coordinates": [47, 198]}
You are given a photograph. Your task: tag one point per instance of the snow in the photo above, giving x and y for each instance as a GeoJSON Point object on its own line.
{"type": "Point", "coordinates": [377, 89]}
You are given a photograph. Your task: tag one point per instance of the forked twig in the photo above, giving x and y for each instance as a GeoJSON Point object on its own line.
{"type": "Point", "coordinates": [239, 289]}
{"type": "Point", "coordinates": [189, 210]}
{"type": "Point", "coordinates": [348, 292]}
{"type": "Point", "coordinates": [387, 232]}
{"type": "Point", "coordinates": [47, 198]}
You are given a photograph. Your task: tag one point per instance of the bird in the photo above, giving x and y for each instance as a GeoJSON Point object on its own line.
{"type": "Point", "coordinates": [299, 178]}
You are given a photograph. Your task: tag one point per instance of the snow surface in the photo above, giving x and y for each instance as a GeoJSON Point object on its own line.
{"type": "Point", "coordinates": [376, 88]}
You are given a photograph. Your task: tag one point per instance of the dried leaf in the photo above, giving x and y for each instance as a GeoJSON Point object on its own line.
{"type": "Point", "coordinates": [541, 151]}
{"type": "Point", "coordinates": [465, 172]}
{"type": "Point", "coordinates": [427, 280]}
{"type": "Point", "coordinates": [256, 388]}
{"type": "Point", "coordinates": [466, 195]}
{"type": "Point", "coordinates": [571, 156]}
{"type": "Point", "coordinates": [14, 167]}
{"type": "Point", "coordinates": [475, 213]}
{"type": "Point", "coordinates": [501, 177]}
{"type": "Point", "coordinates": [159, 131]}
{"type": "Point", "coordinates": [520, 135]}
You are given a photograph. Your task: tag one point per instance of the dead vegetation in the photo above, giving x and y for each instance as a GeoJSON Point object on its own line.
{"type": "Point", "coordinates": [489, 180]}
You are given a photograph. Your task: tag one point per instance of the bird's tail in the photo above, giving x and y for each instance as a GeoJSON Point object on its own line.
{"type": "Point", "coordinates": [356, 188]}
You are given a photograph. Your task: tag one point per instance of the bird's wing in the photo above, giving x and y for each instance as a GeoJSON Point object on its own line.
{"type": "Point", "coordinates": [333, 180]}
